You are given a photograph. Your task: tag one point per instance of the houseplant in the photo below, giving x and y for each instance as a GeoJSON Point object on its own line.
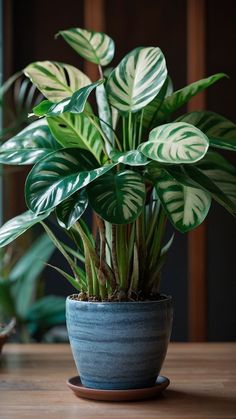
{"type": "Point", "coordinates": [136, 169]}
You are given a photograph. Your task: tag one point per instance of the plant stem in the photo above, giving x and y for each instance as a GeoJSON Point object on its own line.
{"type": "Point", "coordinates": [130, 139]}
{"type": "Point", "coordinates": [140, 127]}
{"type": "Point", "coordinates": [114, 254]}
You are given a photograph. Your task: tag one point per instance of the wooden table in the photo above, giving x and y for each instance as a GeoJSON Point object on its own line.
{"type": "Point", "coordinates": [203, 385]}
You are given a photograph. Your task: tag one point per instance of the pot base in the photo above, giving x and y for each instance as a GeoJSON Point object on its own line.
{"type": "Point", "coordinates": [117, 395]}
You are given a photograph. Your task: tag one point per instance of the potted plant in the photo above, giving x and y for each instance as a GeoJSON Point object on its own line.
{"type": "Point", "coordinates": [137, 167]}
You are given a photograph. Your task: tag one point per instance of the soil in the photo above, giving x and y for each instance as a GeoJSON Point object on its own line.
{"type": "Point", "coordinates": [119, 296]}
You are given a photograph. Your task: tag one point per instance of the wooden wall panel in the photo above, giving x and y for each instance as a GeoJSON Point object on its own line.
{"type": "Point", "coordinates": [196, 239]}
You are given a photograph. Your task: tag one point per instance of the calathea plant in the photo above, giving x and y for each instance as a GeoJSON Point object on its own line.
{"type": "Point", "coordinates": [132, 162]}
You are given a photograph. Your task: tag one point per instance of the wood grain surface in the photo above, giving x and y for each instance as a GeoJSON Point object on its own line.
{"type": "Point", "coordinates": [203, 385]}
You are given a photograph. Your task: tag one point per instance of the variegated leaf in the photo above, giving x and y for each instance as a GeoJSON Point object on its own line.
{"type": "Point", "coordinates": [56, 80]}
{"type": "Point", "coordinates": [177, 143]}
{"type": "Point", "coordinates": [118, 197]}
{"type": "Point", "coordinates": [220, 131]}
{"type": "Point", "coordinates": [132, 157]}
{"type": "Point", "coordinates": [105, 116]}
{"type": "Point", "coordinates": [70, 210]}
{"type": "Point", "coordinates": [96, 47]}
{"type": "Point", "coordinates": [74, 104]}
{"type": "Point", "coordinates": [18, 225]}
{"type": "Point", "coordinates": [76, 131]}
{"type": "Point", "coordinates": [137, 79]}
{"type": "Point", "coordinates": [59, 175]}
{"type": "Point", "coordinates": [185, 206]}
{"type": "Point", "coordinates": [221, 172]}
{"type": "Point", "coordinates": [30, 145]}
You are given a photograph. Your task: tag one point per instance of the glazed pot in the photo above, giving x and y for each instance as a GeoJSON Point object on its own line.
{"type": "Point", "coordinates": [119, 345]}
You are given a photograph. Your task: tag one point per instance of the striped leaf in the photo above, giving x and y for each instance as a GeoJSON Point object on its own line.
{"type": "Point", "coordinates": [221, 172]}
{"type": "Point", "coordinates": [137, 79]}
{"type": "Point", "coordinates": [30, 145]}
{"type": "Point", "coordinates": [59, 175]}
{"type": "Point", "coordinates": [105, 116]}
{"type": "Point", "coordinates": [186, 207]}
{"type": "Point", "coordinates": [76, 131]}
{"type": "Point", "coordinates": [132, 157]}
{"type": "Point", "coordinates": [177, 143]}
{"type": "Point", "coordinates": [160, 110]}
{"type": "Point", "coordinates": [18, 225]}
{"type": "Point", "coordinates": [220, 131]}
{"type": "Point", "coordinates": [75, 103]}
{"type": "Point", "coordinates": [70, 210]}
{"type": "Point", "coordinates": [151, 110]}
{"type": "Point", "coordinates": [118, 197]}
{"type": "Point", "coordinates": [96, 47]}
{"type": "Point", "coordinates": [56, 80]}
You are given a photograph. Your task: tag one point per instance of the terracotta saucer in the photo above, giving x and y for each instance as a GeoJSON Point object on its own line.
{"type": "Point", "coordinates": [117, 395]}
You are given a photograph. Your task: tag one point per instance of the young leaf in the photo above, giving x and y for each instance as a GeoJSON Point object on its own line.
{"type": "Point", "coordinates": [177, 143]}
{"type": "Point", "coordinates": [55, 80]}
{"type": "Point", "coordinates": [185, 206]}
{"type": "Point", "coordinates": [74, 104]}
{"type": "Point", "coordinates": [96, 47]}
{"type": "Point", "coordinates": [18, 225]}
{"type": "Point", "coordinates": [132, 157]}
{"type": "Point", "coordinates": [42, 108]}
{"type": "Point", "coordinates": [137, 79]}
{"type": "Point", "coordinates": [77, 131]}
{"type": "Point", "coordinates": [30, 145]}
{"type": "Point", "coordinates": [59, 175]}
{"type": "Point", "coordinates": [220, 131]}
{"type": "Point", "coordinates": [118, 197]}
{"type": "Point", "coordinates": [70, 210]}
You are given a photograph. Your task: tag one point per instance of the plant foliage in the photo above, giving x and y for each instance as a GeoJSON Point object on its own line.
{"type": "Point", "coordinates": [133, 163]}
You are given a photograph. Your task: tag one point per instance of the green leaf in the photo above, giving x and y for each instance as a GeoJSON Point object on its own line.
{"type": "Point", "coordinates": [118, 197]}
{"type": "Point", "coordinates": [74, 104]}
{"type": "Point", "coordinates": [56, 80]}
{"type": "Point", "coordinates": [96, 47]}
{"type": "Point", "coordinates": [150, 111]}
{"type": "Point", "coordinates": [220, 131]}
{"type": "Point", "coordinates": [30, 145]}
{"type": "Point", "coordinates": [137, 79]}
{"type": "Point", "coordinates": [26, 272]}
{"type": "Point", "coordinates": [77, 131]}
{"type": "Point", "coordinates": [18, 225]}
{"type": "Point", "coordinates": [42, 108]}
{"type": "Point", "coordinates": [182, 96]}
{"type": "Point", "coordinates": [186, 207]}
{"type": "Point", "coordinates": [132, 157]}
{"type": "Point", "coordinates": [176, 142]}
{"type": "Point", "coordinates": [202, 180]}
{"type": "Point", "coordinates": [70, 210]}
{"type": "Point", "coordinates": [105, 116]}
{"type": "Point", "coordinates": [221, 172]}
{"type": "Point", "coordinates": [59, 175]}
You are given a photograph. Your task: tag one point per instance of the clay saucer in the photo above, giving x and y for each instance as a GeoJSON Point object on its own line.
{"type": "Point", "coordinates": [117, 395]}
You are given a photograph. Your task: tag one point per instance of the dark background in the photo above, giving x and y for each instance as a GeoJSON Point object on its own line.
{"type": "Point", "coordinates": [29, 36]}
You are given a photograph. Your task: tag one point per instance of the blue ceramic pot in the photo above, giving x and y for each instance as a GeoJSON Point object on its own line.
{"type": "Point", "coordinates": [119, 345]}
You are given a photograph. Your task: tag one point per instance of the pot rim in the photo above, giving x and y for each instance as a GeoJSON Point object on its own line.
{"type": "Point", "coordinates": [162, 300]}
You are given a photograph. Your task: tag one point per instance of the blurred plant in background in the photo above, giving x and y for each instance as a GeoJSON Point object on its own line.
{"type": "Point", "coordinates": [21, 292]}
{"type": "Point", "coordinates": [22, 301]}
